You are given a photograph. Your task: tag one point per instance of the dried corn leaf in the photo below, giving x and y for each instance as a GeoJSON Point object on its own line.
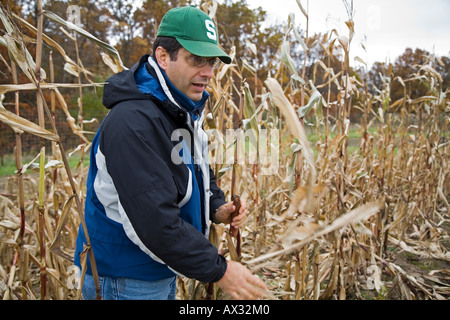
{"type": "Point", "coordinates": [291, 118]}
{"type": "Point", "coordinates": [55, 244]}
{"type": "Point", "coordinates": [19, 123]}
{"type": "Point", "coordinates": [232, 248]}
{"type": "Point", "coordinates": [17, 50]}
{"type": "Point", "coordinates": [360, 214]}
{"type": "Point", "coordinates": [109, 62]}
{"type": "Point", "coordinates": [305, 13]}
{"type": "Point", "coordinates": [70, 66]}
{"type": "Point", "coordinates": [289, 62]}
{"type": "Point", "coordinates": [298, 197]}
{"type": "Point", "coordinates": [4, 88]}
{"type": "Point", "coordinates": [432, 250]}
{"type": "Point", "coordinates": [250, 111]}
{"type": "Point", "coordinates": [106, 46]}
{"type": "Point", "coordinates": [20, 55]}
{"type": "Point", "coordinates": [297, 130]}
{"type": "Point", "coordinates": [413, 281]}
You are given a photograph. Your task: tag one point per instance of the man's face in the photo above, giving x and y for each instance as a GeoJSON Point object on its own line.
{"type": "Point", "coordinates": [185, 72]}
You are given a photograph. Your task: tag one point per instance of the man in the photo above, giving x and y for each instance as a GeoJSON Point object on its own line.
{"type": "Point", "coordinates": [149, 196]}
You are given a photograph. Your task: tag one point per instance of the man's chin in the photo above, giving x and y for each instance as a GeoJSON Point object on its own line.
{"type": "Point", "coordinates": [196, 97]}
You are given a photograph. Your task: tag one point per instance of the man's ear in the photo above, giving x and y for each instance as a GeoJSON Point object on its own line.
{"type": "Point", "coordinates": [162, 57]}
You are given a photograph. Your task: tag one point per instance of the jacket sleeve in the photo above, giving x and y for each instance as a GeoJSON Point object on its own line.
{"type": "Point", "coordinates": [137, 150]}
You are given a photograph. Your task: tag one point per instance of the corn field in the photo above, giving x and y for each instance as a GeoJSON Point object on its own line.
{"type": "Point", "coordinates": [336, 219]}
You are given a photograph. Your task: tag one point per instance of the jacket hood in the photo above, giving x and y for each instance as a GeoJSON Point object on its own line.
{"type": "Point", "coordinates": [122, 87]}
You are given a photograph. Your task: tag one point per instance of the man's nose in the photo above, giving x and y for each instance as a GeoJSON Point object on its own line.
{"type": "Point", "coordinates": [207, 71]}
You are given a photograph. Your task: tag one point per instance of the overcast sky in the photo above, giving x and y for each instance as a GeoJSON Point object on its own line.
{"type": "Point", "coordinates": [389, 26]}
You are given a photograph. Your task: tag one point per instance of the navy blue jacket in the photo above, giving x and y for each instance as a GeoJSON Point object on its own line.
{"type": "Point", "coordinates": [150, 190]}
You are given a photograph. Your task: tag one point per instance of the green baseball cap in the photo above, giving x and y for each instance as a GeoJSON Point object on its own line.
{"type": "Point", "coordinates": [194, 30]}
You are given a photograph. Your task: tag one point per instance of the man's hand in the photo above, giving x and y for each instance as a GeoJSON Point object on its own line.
{"type": "Point", "coordinates": [240, 283]}
{"type": "Point", "coordinates": [223, 214]}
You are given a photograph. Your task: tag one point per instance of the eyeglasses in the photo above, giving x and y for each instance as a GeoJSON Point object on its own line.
{"type": "Point", "coordinates": [200, 62]}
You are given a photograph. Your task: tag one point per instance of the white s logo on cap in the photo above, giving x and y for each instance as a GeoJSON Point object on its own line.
{"type": "Point", "coordinates": [212, 30]}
